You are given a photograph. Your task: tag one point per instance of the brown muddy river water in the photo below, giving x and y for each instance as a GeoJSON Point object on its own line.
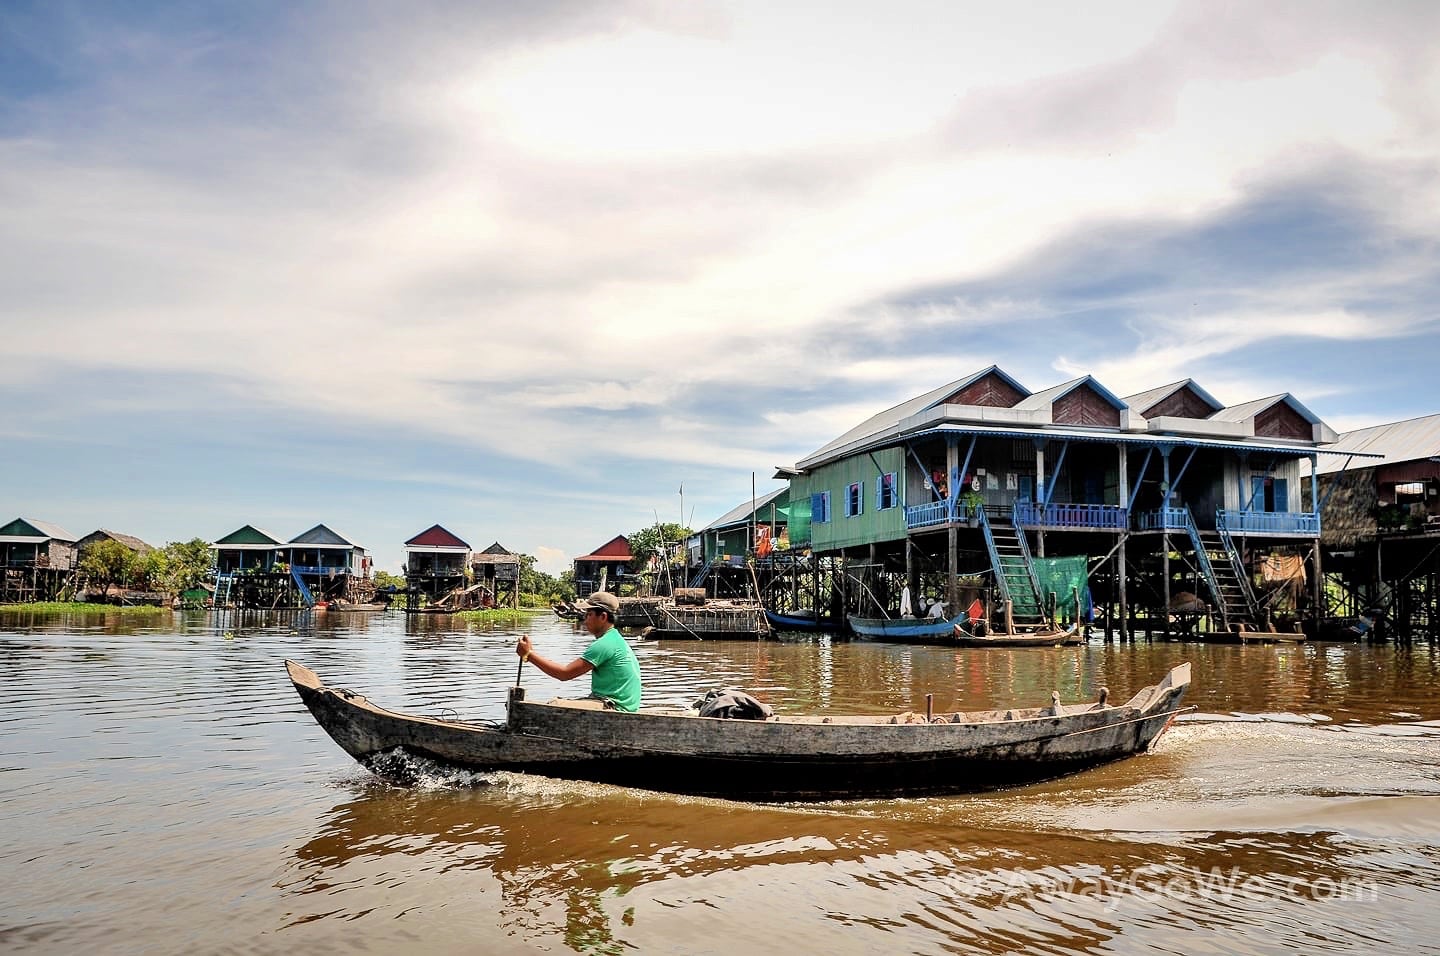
{"type": "Point", "coordinates": [162, 790]}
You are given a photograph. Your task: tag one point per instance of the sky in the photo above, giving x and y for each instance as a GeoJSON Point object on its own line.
{"type": "Point", "coordinates": [528, 270]}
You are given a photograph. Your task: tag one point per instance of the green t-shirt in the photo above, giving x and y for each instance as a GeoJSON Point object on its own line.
{"type": "Point", "coordinates": [617, 672]}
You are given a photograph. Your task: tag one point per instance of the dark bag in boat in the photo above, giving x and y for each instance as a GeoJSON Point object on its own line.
{"type": "Point", "coordinates": [733, 704]}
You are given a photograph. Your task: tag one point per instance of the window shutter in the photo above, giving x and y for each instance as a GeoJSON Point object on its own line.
{"type": "Point", "coordinates": [817, 507]}
{"type": "Point", "coordinates": [1282, 494]}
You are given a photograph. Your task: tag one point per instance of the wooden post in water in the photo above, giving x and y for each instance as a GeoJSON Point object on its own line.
{"type": "Point", "coordinates": [1119, 589]}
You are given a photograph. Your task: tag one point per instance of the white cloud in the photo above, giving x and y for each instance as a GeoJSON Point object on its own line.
{"type": "Point", "coordinates": [479, 230]}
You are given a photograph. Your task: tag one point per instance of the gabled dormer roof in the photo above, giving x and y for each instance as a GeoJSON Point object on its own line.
{"type": "Point", "coordinates": [1145, 403]}
{"type": "Point", "coordinates": [322, 536]}
{"type": "Point", "coordinates": [1050, 396]}
{"type": "Point", "coordinates": [248, 536]}
{"type": "Point", "coordinates": [934, 398]}
{"type": "Point", "coordinates": [1277, 416]}
{"type": "Point", "coordinates": [1239, 413]}
{"type": "Point", "coordinates": [497, 548]}
{"type": "Point", "coordinates": [34, 530]}
{"type": "Point", "coordinates": [436, 537]}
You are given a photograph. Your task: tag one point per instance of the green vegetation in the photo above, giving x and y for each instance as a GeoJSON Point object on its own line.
{"type": "Point", "coordinates": [76, 607]}
{"type": "Point", "coordinates": [179, 566]}
{"type": "Point", "coordinates": [384, 579]}
{"type": "Point", "coordinates": [539, 589]}
{"type": "Point", "coordinates": [495, 614]}
{"type": "Point", "coordinates": [647, 542]}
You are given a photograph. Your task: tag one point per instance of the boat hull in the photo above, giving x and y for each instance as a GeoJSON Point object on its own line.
{"type": "Point", "coordinates": [786, 622]}
{"type": "Point", "coordinates": [778, 759]}
{"type": "Point", "coordinates": [955, 633]}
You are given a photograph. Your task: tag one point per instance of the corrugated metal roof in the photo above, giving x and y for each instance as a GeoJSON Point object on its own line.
{"type": "Point", "coordinates": [900, 420]}
{"type": "Point", "coordinates": [53, 530]}
{"type": "Point", "coordinates": [1062, 434]}
{"type": "Point", "coordinates": [1411, 440]}
{"type": "Point", "coordinates": [893, 416]}
{"type": "Point", "coordinates": [741, 513]}
{"type": "Point", "coordinates": [437, 537]}
{"type": "Point", "coordinates": [322, 536]}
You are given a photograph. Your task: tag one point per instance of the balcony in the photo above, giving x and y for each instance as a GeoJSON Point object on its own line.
{"type": "Point", "coordinates": [1030, 514]}
{"type": "Point", "coordinates": [934, 513]}
{"type": "Point", "coordinates": [1269, 523]}
{"type": "Point", "coordinates": [1162, 519]}
{"type": "Point", "coordinates": [336, 569]}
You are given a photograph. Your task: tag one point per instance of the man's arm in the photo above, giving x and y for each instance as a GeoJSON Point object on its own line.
{"type": "Point", "coordinates": [576, 668]}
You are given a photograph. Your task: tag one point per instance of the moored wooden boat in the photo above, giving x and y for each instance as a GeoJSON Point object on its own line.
{"type": "Point", "coordinates": [781, 758]}
{"type": "Point", "coordinates": [908, 630]}
{"type": "Point", "coordinates": [1044, 637]}
{"type": "Point", "coordinates": [805, 623]}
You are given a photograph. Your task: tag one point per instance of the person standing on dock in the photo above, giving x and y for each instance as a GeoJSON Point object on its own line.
{"type": "Point", "coordinates": [614, 671]}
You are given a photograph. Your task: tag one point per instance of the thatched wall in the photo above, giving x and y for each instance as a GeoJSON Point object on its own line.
{"type": "Point", "coordinates": [1349, 515]}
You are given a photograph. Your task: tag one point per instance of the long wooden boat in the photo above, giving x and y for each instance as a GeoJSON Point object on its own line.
{"type": "Point", "coordinates": [781, 758]}
{"type": "Point", "coordinates": [1044, 637]}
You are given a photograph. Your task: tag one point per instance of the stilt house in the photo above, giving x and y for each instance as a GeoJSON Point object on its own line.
{"type": "Point", "coordinates": [435, 562]}
{"type": "Point", "coordinates": [498, 569]}
{"type": "Point", "coordinates": [981, 476]}
{"type": "Point", "coordinates": [325, 561]}
{"type": "Point", "coordinates": [37, 561]}
{"type": "Point", "coordinates": [603, 568]}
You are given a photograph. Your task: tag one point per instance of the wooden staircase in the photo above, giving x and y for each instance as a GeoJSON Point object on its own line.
{"type": "Point", "coordinates": [1014, 574]}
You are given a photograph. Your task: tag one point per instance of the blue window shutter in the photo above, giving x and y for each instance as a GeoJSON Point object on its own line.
{"type": "Point", "coordinates": [1282, 494]}
{"type": "Point", "coordinates": [817, 508]}
{"type": "Point", "coordinates": [879, 492]}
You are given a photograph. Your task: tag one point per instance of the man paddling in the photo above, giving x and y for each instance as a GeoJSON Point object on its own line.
{"type": "Point", "coordinates": [614, 672]}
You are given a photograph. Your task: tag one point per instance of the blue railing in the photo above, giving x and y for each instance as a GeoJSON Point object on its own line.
{"type": "Point", "coordinates": [336, 569]}
{"type": "Point", "coordinates": [1030, 514]}
{"type": "Point", "coordinates": [1000, 583]}
{"type": "Point", "coordinates": [1269, 522]}
{"type": "Point", "coordinates": [1163, 519]}
{"type": "Point", "coordinates": [932, 512]}
{"type": "Point", "coordinates": [936, 512]}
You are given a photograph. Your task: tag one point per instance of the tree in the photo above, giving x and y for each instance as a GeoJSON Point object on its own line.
{"type": "Point", "coordinates": [545, 587]}
{"type": "Point", "coordinates": [384, 579]}
{"type": "Point", "coordinates": [186, 564]}
{"type": "Point", "coordinates": [108, 563]}
{"type": "Point", "coordinates": [648, 542]}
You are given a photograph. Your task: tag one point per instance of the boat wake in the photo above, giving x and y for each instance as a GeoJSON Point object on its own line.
{"type": "Point", "coordinates": [405, 769]}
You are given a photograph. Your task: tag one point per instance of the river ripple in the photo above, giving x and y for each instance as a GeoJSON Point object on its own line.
{"type": "Point", "coordinates": [162, 790]}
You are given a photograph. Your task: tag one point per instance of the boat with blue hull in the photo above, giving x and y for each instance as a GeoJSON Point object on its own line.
{"type": "Point", "coordinates": [807, 624]}
{"type": "Point", "coordinates": [960, 631]}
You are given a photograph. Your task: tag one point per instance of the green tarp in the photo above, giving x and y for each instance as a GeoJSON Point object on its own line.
{"type": "Point", "coordinates": [1064, 576]}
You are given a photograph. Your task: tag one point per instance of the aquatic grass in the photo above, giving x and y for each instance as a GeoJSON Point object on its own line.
{"type": "Point", "coordinates": [79, 607]}
{"type": "Point", "coordinates": [500, 614]}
